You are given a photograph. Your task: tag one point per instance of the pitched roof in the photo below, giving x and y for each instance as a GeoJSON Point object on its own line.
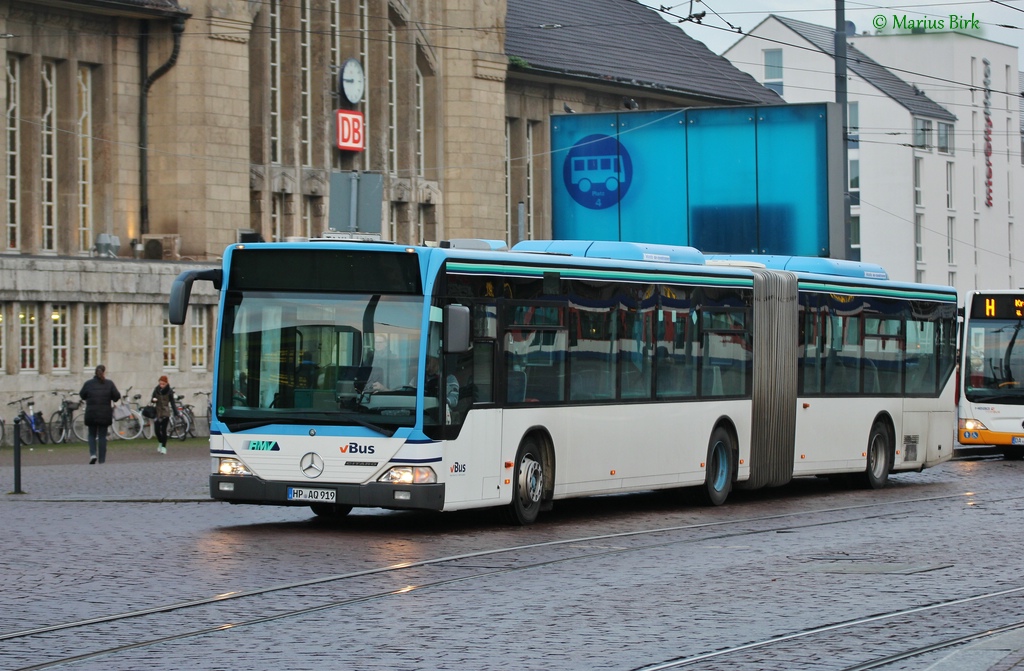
{"type": "Point", "coordinates": [626, 43]}
{"type": "Point", "coordinates": [910, 97]}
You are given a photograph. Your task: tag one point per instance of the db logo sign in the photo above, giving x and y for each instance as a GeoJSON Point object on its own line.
{"type": "Point", "coordinates": [351, 131]}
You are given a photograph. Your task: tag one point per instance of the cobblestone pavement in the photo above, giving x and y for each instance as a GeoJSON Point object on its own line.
{"type": "Point", "coordinates": [140, 531]}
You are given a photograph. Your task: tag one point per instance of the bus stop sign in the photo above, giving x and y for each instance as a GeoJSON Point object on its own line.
{"type": "Point", "coordinates": [597, 172]}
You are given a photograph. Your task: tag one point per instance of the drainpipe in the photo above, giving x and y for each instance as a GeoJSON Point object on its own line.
{"type": "Point", "coordinates": [177, 28]}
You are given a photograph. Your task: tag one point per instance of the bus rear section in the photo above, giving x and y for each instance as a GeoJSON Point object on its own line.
{"type": "Point", "coordinates": [990, 407]}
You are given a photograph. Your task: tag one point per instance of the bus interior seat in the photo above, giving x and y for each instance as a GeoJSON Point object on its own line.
{"type": "Point", "coordinates": [315, 399]}
{"type": "Point", "coordinates": [545, 384]}
{"type": "Point", "coordinates": [839, 377]}
{"type": "Point", "coordinates": [636, 383]}
{"type": "Point", "coordinates": [713, 381]}
{"type": "Point", "coordinates": [590, 382]}
{"type": "Point", "coordinates": [674, 377]}
{"type": "Point", "coordinates": [921, 374]}
{"type": "Point", "coordinates": [516, 386]}
{"type": "Point", "coordinates": [328, 377]}
{"type": "Point", "coordinates": [871, 385]}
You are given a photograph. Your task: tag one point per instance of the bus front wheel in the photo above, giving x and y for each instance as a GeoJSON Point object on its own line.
{"type": "Point", "coordinates": [876, 474]}
{"type": "Point", "coordinates": [527, 484]}
{"type": "Point", "coordinates": [718, 468]}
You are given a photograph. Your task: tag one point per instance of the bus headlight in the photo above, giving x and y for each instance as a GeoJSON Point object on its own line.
{"type": "Point", "coordinates": [232, 466]}
{"type": "Point", "coordinates": [972, 425]}
{"type": "Point", "coordinates": [409, 475]}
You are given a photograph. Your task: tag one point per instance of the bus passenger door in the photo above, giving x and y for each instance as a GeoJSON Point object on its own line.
{"type": "Point", "coordinates": [473, 449]}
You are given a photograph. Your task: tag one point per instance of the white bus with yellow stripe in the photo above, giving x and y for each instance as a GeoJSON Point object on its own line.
{"type": "Point", "coordinates": [990, 397]}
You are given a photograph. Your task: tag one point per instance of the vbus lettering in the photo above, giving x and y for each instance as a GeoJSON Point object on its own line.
{"type": "Point", "coordinates": [356, 448]}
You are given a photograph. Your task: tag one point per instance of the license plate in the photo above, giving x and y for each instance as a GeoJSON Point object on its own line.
{"type": "Point", "coordinates": [300, 494]}
{"type": "Point", "coordinates": [1017, 440]}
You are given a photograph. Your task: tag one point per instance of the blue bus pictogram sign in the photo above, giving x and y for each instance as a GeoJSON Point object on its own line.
{"type": "Point", "coordinates": [597, 172]}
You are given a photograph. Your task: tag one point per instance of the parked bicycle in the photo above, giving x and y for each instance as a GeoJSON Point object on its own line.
{"type": "Point", "coordinates": [33, 426]}
{"type": "Point", "coordinates": [189, 411]}
{"type": "Point", "coordinates": [209, 409]}
{"type": "Point", "coordinates": [81, 431]}
{"type": "Point", "coordinates": [128, 422]}
{"type": "Point", "coordinates": [180, 425]}
{"type": "Point", "coordinates": [127, 426]}
{"type": "Point", "coordinates": [62, 420]}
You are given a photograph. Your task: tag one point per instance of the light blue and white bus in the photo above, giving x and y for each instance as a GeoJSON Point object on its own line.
{"type": "Point", "coordinates": [367, 374]}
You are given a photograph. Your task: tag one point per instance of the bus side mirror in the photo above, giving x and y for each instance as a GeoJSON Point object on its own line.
{"type": "Point", "coordinates": [181, 289]}
{"type": "Point", "coordinates": [456, 329]}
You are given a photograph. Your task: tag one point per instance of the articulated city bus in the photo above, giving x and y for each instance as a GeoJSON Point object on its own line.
{"type": "Point", "coordinates": [990, 394]}
{"type": "Point", "coordinates": [366, 374]}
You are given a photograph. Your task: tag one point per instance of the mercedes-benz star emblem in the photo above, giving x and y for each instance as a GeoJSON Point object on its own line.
{"type": "Point", "coordinates": [311, 464]}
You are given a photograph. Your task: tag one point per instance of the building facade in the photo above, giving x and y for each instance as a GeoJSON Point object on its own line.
{"type": "Point", "coordinates": [934, 144]}
{"type": "Point", "coordinates": [143, 136]}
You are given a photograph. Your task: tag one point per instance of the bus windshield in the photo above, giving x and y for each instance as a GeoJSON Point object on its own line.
{"type": "Point", "coordinates": [318, 358]}
{"type": "Point", "coordinates": [994, 365]}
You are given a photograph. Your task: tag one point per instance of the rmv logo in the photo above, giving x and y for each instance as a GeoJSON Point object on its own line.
{"type": "Point", "coordinates": [356, 448]}
{"type": "Point", "coordinates": [597, 172]}
{"type": "Point", "coordinates": [263, 445]}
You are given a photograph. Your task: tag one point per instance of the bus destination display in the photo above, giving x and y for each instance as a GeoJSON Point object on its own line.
{"type": "Point", "coordinates": [998, 306]}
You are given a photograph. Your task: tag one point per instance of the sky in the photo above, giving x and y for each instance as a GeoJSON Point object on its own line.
{"type": "Point", "coordinates": [1000, 21]}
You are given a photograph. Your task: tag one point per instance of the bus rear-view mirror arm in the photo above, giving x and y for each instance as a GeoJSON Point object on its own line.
{"type": "Point", "coordinates": [181, 289]}
{"type": "Point", "coordinates": [456, 329]}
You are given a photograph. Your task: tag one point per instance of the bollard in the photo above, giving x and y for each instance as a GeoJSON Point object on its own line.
{"type": "Point", "coordinates": [17, 456]}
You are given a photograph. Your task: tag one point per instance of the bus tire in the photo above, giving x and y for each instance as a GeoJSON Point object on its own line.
{"type": "Point", "coordinates": [876, 473]}
{"type": "Point", "coordinates": [1013, 453]}
{"type": "Point", "coordinates": [527, 484]}
{"type": "Point", "coordinates": [330, 510]}
{"type": "Point", "coordinates": [719, 468]}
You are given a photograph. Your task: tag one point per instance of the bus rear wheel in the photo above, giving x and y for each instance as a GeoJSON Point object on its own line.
{"type": "Point", "coordinates": [527, 484]}
{"type": "Point", "coordinates": [330, 510]}
{"type": "Point", "coordinates": [719, 468]}
{"type": "Point", "coordinates": [876, 474]}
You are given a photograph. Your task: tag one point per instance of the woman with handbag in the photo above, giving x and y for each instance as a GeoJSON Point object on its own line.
{"type": "Point", "coordinates": [163, 402]}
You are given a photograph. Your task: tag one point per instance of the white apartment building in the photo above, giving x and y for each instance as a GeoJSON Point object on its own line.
{"type": "Point", "coordinates": [935, 150]}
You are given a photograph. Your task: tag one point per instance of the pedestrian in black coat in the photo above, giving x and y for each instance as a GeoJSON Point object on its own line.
{"type": "Point", "coordinates": [99, 394]}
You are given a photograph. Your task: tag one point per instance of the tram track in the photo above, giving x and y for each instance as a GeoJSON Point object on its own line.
{"type": "Point", "coordinates": [183, 620]}
{"type": "Point", "coordinates": [758, 653]}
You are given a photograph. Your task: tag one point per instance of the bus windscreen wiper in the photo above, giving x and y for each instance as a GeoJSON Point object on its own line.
{"type": "Point", "coordinates": [326, 419]}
